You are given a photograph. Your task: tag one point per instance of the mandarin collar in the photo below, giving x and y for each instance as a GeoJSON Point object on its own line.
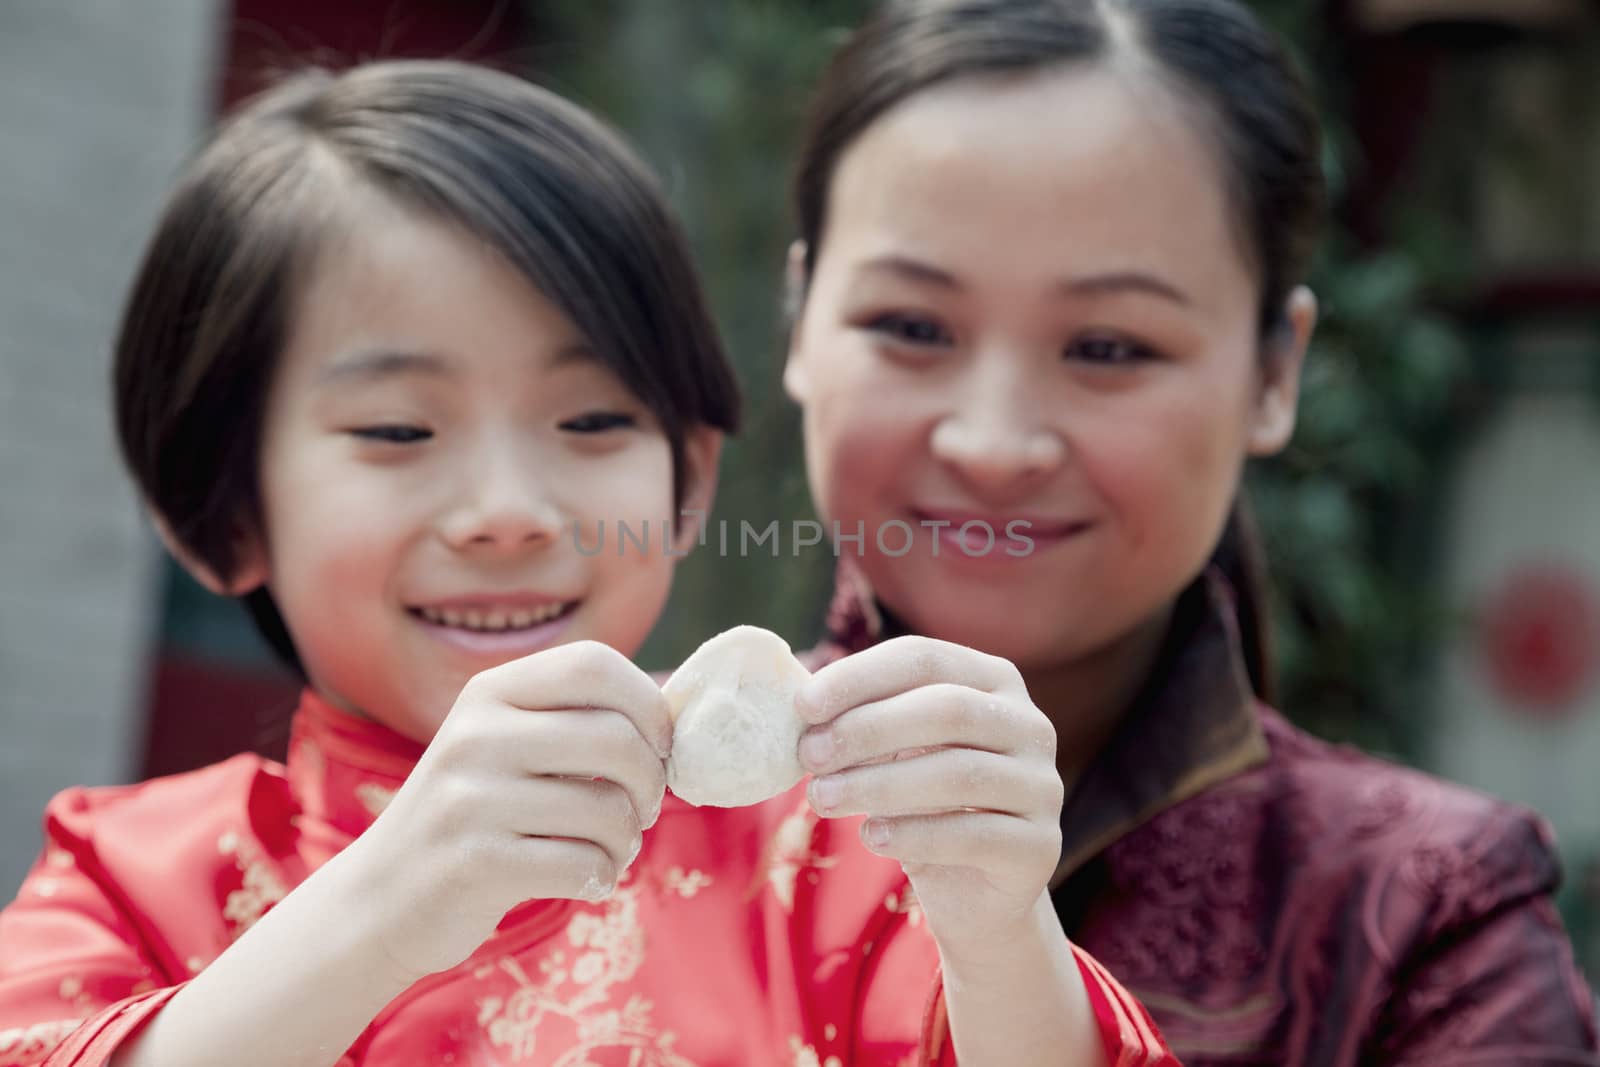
{"type": "Point", "coordinates": [344, 769]}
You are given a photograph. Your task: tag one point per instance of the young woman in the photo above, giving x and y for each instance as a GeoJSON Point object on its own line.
{"type": "Point", "coordinates": [1049, 272]}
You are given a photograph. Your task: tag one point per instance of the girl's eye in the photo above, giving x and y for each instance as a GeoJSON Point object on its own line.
{"type": "Point", "coordinates": [599, 422]}
{"type": "Point", "coordinates": [1105, 350]}
{"type": "Point", "coordinates": [910, 330]}
{"type": "Point", "coordinates": [393, 435]}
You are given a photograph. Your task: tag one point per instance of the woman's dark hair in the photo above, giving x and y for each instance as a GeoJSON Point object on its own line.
{"type": "Point", "coordinates": [541, 182]}
{"type": "Point", "coordinates": [1213, 52]}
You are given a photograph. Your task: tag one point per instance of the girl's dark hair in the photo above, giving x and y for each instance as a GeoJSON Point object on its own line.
{"type": "Point", "coordinates": [541, 182]}
{"type": "Point", "coordinates": [1213, 52]}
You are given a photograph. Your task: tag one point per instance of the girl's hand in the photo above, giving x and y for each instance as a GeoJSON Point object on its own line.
{"type": "Point", "coordinates": [538, 784]}
{"type": "Point", "coordinates": [942, 748]}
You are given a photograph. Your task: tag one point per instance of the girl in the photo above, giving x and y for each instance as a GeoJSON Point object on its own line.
{"type": "Point", "coordinates": [1048, 271]}
{"type": "Point", "coordinates": [409, 346]}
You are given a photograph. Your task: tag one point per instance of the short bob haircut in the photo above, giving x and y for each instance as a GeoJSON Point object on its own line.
{"type": "Point", "coordinates": [547, 186]}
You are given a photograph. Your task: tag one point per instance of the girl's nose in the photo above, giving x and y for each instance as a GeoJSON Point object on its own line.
{"type": "Point", "coordinates": [502, 506]}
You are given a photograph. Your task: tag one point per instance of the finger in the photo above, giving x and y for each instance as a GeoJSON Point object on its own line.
{"type": "Point", "coordinates": [584, 674]}
{"type": "Point", "coordinates": [984, 840]}
{"type": "Point", "coordinates": [585, 744]}
{"type": "Point", "coordinates": [949, 779]}
{"type": "Point", "coordinates": [566, 867]}
{"type": "Point", "coordinates": [575, 809]}
{"type": "Point", "coordinates": [933, 716]}
{"type": "Point", "coordinates": [895, 666]}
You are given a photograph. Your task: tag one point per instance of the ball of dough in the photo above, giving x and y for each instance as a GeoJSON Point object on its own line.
{"type": "Point", "coordinates": [736, 737]}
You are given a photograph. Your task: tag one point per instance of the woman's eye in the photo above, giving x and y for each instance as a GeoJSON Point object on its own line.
{"type": "Point", "coordinates": [392, 434]}
{"type": "Point", "coordinates": [599, 422]}
{"type": "Point", "coordinates": [1106, 350]}
{"type": "Point", "coordinates": [910, 329]}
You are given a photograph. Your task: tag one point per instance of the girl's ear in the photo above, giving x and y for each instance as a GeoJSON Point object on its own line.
{"type": "Point", "coordinates": [249, 568]}
{"type": "Point", "coordinates": [1278, 394]}
{"type": "Point", "coordinates": [795, 379]}
{"type": "Point", "coordinates": [702, 453]}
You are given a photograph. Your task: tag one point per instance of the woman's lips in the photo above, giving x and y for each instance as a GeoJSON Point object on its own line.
{"type": "Point", "coordinates": [992, 535]}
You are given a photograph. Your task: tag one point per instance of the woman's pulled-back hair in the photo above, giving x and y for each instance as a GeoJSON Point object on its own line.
{"type": "Point", "coordinates": [541, 182]}
{"type": "Point", "coordinates": [1214, 53]}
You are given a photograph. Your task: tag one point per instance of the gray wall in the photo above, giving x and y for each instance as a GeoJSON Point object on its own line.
{"type": "Point", "coordinates": [99, 102]}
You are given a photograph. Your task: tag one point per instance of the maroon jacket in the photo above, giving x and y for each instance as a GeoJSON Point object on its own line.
{"type": "Point", "coordinates": [1273, 899]}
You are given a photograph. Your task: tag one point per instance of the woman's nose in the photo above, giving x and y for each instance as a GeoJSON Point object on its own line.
{"type": "Point", "coordinates": [996, 440]}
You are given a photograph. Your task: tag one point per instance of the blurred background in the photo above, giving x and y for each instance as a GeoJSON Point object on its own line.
{"type": "Point", "coordinates": [1434, 533]}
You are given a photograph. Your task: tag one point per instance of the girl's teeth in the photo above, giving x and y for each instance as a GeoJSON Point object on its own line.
{"type": "Point", "coordinates": [493, 621]}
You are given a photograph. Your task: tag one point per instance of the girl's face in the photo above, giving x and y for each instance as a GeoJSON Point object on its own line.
{"type": "Point", "coordinates": [1030, 302]}
{"type": "Point", "coordinates": [437, 437]}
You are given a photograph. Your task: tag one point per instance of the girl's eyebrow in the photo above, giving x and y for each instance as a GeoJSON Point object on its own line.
{"type": "Point", "coordinates": [1136, 281]}
{"type": "Point", "coordinates": [371, 365]}
{"type": "Point", "coordinates": [575, 353]}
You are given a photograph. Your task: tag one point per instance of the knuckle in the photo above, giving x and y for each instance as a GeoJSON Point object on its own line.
{"type": "Point", "coordinates": [928, 661]}
{"type": "Point", "coordinates": [591, 657]}
{"type": "Point", "coordinates": [1010, 677]}
{"type": "Point", "coordinates": [1050, 844]}
{"type": "Point", "coordinates": [476, 686]}
{"type": "Point", "coordinates": [1040, 733]}
{"type": "Point", "coordinates": [923, 657]}
{"type": "Point", "coordinates": [962, 712]}
{"type": "Point", "coordinates": [1055, 794]}
{"type": "Point", "coordinates": [452, 799]}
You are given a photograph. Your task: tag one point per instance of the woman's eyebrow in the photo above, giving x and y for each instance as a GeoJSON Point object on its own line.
{"type": "Point", "coordinates": [912, 270]}
{"type": "Point", "coordinates": [1137, 281]}
{"type": "Point", "coordinates": [1125, 281]}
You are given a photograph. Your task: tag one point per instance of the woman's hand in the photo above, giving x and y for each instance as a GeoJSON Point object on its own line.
{"type": "Point", "coordinates": [941, 747]}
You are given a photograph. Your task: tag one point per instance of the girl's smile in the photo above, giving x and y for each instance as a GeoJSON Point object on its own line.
{"type": "Point", "coordinates": [497, 626]}
{"type": "Point", "coordinates": [436, 434]}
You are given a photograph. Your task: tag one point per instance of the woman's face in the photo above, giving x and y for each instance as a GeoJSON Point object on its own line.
{"type": "Point", "coordinates": [1031, 302]}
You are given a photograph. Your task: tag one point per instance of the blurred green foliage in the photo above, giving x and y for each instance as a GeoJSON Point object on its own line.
{"type": "Point", "coordinates": [713, 92]}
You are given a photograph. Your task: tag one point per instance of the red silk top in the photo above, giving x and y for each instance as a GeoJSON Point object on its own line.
{"type": "Point", "coordinates": [749, 936]}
